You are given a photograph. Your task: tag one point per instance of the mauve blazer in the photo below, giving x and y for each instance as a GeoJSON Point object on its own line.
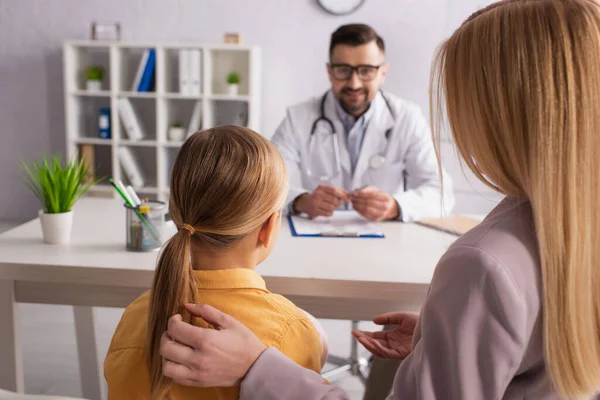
{"type": "Point", "coordinates": [479, 336]}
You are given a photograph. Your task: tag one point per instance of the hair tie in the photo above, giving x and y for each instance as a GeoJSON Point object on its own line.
{"type": "Point", "coordinates": [188, 228]}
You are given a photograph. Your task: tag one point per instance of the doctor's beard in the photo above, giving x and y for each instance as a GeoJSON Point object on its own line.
{"type": "Point", "coordinates": [351, 107]}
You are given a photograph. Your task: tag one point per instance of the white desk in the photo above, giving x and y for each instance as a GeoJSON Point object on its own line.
{"type": "Point", "coordinates": [343, 278]}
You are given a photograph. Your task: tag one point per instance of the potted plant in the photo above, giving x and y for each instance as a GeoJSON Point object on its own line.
{"type": "Point", "coordinates": [94, 78]}
{"type": "Point", "coordinates": [176, 132]}
{"type": "Point", "coordinates": [233, 81]}
{"type": "Point", "coordinates": [58, 187]}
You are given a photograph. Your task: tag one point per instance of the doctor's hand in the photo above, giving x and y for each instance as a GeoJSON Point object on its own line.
{"type": "Point", "coordinates": [195, 356]}
{"type": "Point", "coordinates": [395, 343]}
{"type": "Point", "coordinates": [322, 201]}
{"type": "Point", "coordinates": [375, 204]}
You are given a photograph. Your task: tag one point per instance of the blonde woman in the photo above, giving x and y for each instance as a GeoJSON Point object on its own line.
{"type": "Point", "coordinates": [513, 310]}
{"type": "Point", "coordinates": [228, 188]}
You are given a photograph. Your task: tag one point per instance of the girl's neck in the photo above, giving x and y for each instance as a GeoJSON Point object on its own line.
{"type": "Point", "coordinates": [203, 261]}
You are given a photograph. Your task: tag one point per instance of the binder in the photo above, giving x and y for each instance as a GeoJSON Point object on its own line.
{"type": "Point", "coordinates": [140, 71]}
{"type": "Point", "coordinates": [133, 126]}
{"type": "Point", "coordinates": [195, 72]}
{"type": "Point", "coordinates": [343, 224]}
{"type": "Point", "coordinates": [184, 72]}
{"type": "Point", "coordinates": [130, 167]}
{"type": "Point", "coordinates": [148, 74]}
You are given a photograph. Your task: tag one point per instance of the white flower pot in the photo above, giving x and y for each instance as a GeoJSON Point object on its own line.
{"type": "Point", "coordinates": [56, 227]}
{"type": "Point", "coordinates": [176, 134]}
{"type": "Point", "coordinates": [93, 86]}
{"type": "Point", "coordinates": [233, 89]}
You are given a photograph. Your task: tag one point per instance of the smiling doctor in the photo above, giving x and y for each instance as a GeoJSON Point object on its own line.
{"type": "Point", "coordinates": [358, 146]}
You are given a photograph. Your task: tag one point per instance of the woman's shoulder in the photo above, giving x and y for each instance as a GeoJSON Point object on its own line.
{"type": "Point", "coordinates": [504, 248]}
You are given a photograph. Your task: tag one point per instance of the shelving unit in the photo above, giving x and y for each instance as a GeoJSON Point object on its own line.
{"type": "Point", "coordinates": [157, 109]}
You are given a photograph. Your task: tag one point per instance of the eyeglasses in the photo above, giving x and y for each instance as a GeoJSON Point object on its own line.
{"type": "Point", "coordinates": [343, 72]}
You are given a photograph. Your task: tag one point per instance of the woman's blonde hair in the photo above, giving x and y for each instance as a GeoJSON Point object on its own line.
{"type": "Point", "coordinates": [226, 182]}
{"type": "Point", "coordinates": [520, 81]}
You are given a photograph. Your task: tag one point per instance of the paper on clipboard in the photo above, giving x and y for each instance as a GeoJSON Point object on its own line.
{"type": "Point", "coordinates": [341, 223]}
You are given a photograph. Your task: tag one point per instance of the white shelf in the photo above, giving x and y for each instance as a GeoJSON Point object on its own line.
{"type": "Point", "coordinates": [94, 141]}
{"type": "Point", "coordinates": [85, 93]}
{"type": "Point", "coordinates": [156, 110]}
{"type": "Point", "coordinates": [140, 95]}
{"type": "Point", "coordinates": [174, 144]}
{"type": "Point", "coordinates": [227, 97]}
{"type": "Point", "coordinates": [138, 143]}
{"type": "Point", "coordinates": [182, 96]}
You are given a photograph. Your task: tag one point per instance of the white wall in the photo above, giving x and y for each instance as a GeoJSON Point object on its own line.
{"type": "Point", "coordinates": [293, 35]}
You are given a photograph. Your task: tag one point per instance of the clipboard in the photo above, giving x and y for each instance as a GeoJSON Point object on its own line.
{"type": "Point", "coordinates": [453, 224]}
{"type": "Point", "coordinates": [343, 224]}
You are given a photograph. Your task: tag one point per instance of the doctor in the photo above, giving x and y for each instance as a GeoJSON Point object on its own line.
{"type": "Point", "coordinates": [358, 144]}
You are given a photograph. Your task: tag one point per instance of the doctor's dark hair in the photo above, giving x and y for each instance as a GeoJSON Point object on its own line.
{"type": "Point", "coordinates": [226, 183]}
{"type": "Point", "coordinates": [355, 35]}
{"type": "Point", "coordinates": [519, 85]}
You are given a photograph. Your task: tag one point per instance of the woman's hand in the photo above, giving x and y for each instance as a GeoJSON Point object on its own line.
{"type": "Point", "coordinates": [395, 343]}
{"type": "Point", "coordinates": [195, 356]}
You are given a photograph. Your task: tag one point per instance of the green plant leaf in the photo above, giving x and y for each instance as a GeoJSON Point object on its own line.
{"type": "Point", "coordinates": [57, 186]}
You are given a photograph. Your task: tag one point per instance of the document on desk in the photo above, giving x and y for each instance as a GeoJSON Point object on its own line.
{"type": "Point", "coordinates": [340, 224]}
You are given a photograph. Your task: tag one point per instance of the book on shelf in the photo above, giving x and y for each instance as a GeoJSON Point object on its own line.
{"type": "Point", "coordinates": [190, 72]}
{"type": "Point", "coordinates": [133, 126]}
{"type": "Point", "coordinates": [196, 119]}
{"type": "Point", "coordinates": [87, 154]}
{"type": "Point", "coordinates": [104, 123]}
{"type": "Point", "coordinates": [144, 77]}
{"type": "Point", "coordinates": [131, 167]}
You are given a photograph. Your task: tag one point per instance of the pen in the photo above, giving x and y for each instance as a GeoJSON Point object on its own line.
{"type": "Point", "coordinates": [137, 211]}
{"type": "Point", "coordinates": [134, 197]}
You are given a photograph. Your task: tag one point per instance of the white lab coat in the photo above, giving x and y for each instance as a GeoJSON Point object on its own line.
{"type": "Point", "coordinates": [409, 155]}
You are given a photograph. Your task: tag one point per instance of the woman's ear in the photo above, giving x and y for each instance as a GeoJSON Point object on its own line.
{"type": "Point", "coordinates": [266, 230]}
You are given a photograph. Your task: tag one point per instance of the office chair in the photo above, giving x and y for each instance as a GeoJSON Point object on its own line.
{"type": "Point", "coordinates": [355, 364]}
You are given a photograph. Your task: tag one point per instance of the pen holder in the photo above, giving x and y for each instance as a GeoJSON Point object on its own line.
{"type": "Point", "coordinates": [145, 226]}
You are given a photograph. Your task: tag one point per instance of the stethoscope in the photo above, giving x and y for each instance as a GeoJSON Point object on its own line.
{"type": "Point", "coordinates": [375, 162]}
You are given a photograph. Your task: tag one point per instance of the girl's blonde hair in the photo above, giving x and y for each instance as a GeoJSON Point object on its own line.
{"type": "Point", "coordinates": [226, 182]}
{"type": "Point", "coordinates": [520, 81]}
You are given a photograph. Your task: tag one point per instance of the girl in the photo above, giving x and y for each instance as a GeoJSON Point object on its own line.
{"type": "Point", "coordinates": [228, 187]}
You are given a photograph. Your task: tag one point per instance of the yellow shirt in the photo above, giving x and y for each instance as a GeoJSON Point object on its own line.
{"type": "Point", "coordinates": [240, 293]}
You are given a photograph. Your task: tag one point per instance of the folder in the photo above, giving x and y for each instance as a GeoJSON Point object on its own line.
{"type": "Point", "coordinates": [453, 224]}
{"type": "Point", "coordinates": [342, 224]}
